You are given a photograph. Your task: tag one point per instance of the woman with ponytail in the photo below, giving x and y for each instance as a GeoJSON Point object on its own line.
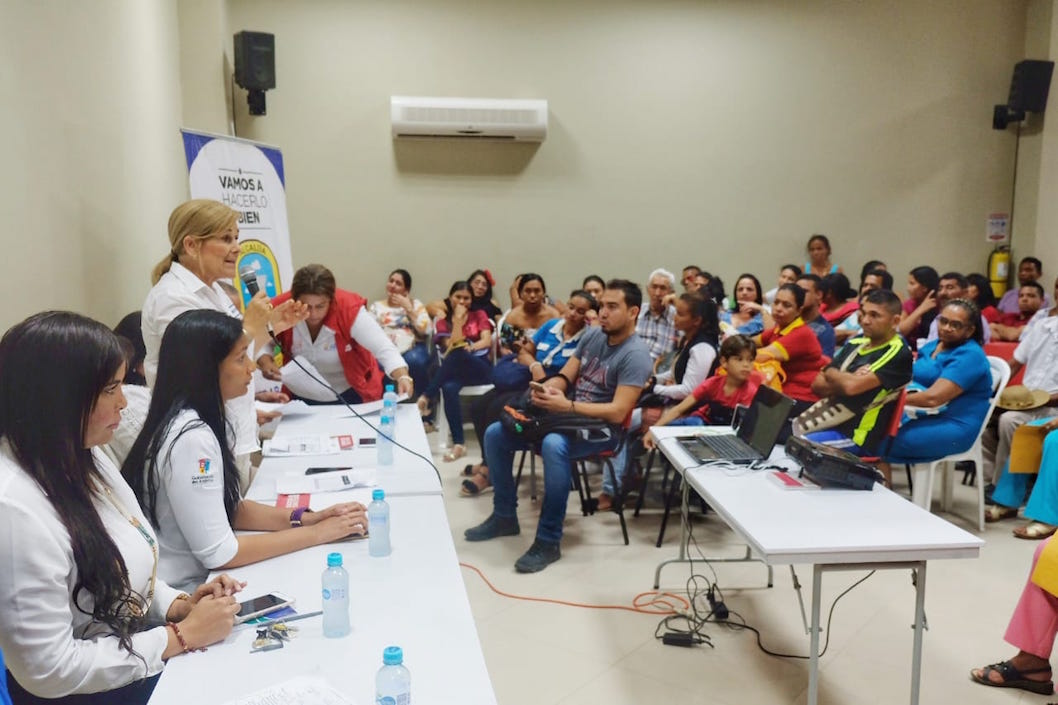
{"type": "Point", "coordinates": [78, 558]}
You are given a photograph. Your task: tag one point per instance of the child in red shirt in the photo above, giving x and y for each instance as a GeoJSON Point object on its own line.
{"type": "Point", "coordinates": [719, 394]}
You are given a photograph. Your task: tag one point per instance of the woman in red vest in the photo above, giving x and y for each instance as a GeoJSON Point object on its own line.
{"type": "Point", "coordinates": [345, 347]}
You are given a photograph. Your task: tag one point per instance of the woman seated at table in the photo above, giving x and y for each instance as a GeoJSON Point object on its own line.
{"type": "Point", "coordinates": [746, 316]}
{"type": "Point", "coordinates": [345, 347]}
{"type": "Point", "coordinates": [406, 323]}
{"type": "Point", "coordinates": [83, 616]}
{"type": "Point", "coordinates": [537, 359]}
{"type": "Point", "coordinates": [792, 345]}
{"type": "Point", "coordinates": [182, 471]}
{"type": "Point", "coordinates": [980, 292]}
{"type": "Point", "coordinates": [465, 338]}
{"type": "Point", "coordinates": [528, 316]}
{"type": "Point", "coordinates": [1031, 630]}
{"type": "Point", "coordinates": [951, 376]}
{"type": "Point", "coordinates": [920, 306]}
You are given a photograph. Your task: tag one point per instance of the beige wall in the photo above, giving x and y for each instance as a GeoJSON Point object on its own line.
{"type": "Point", "coordinates": [1046, 234]}
{"type": "Point", "coordinates": [92, 157]}
{"type": "Point", "coordinates": [721, 133]}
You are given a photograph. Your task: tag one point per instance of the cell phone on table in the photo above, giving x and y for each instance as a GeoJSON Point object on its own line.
{"type": "Point", "coordinates": [259, 606]}
{"type": "Point", "coordinates": [536, 386]}
{"type": "Point", "coordinates": [317, 471]}
{"type": "Point", "coordinates": [367, 441]}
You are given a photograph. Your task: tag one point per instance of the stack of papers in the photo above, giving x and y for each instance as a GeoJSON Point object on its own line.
{"type": "Point", "coordinates": [326, 482]}
{"type": "Point", "coordinates": [303, 690]}
{"type": "Point", "coordinates": [301, 445]}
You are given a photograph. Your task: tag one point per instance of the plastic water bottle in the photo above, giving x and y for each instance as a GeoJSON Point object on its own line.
{"type": "Point", "coordinates": [389, 404]}
{"type": "Point", "coordinates": [393, 682]}
{"type": "Point", "coordinates": [385, 444]}
{"type": "Point", "coordinates": [378, 525]}
{"type": "Point", "coordinates": [335, 598]}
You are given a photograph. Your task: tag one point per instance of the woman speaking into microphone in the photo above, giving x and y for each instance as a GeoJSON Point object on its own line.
{"type": "Point", "coordinates": [203, 251]}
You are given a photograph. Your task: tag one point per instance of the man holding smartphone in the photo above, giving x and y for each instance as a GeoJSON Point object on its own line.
{"type": "Point", "coordinates": [605, 376]}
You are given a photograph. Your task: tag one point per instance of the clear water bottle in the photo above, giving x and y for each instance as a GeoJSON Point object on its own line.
{"type": "Point", "coordinates": [378, 525]}
{"type": "Point", "coordinates": [393, 682]}
{"type": "Point", "coordinates": [335, 598]}
{"type": "Point", "coordinates": [385, 444]}
{"type": "Point", "coordinates": [389, 404]}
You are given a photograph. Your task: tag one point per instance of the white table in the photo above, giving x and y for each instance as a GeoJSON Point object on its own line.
{"type": "Point", "coordinates": [830, 529]}
{"type": "Point", "coordinates": [409, 475]}
{"type": "Point", "coordinates": [414, 598]}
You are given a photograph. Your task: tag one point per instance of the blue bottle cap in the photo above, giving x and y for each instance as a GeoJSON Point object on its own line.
{"type": "Point", "coordinates": [390, 388]}
{"type": "Point", "coordinates": [392, 656]}
{"type": "Point", "coordinates": [378, 494]}
{"type": "Point", "coordinates": [334, 560]}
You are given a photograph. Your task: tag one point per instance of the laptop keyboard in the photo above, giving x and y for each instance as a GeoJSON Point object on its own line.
{"type": "Point", "coordinates": [729, 446]}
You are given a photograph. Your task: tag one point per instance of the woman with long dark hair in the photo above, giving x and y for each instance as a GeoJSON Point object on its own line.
{"type": "Point", "coordinates": [78, 558]}
{"type": "Point", "coordinates": [746, 315]}
{"type": "Point", "coordinates": [183, 471]}
{"type": "Point", "coordinates": [920, 306]}
{"type": "Point", "coordinates": [465, 337]}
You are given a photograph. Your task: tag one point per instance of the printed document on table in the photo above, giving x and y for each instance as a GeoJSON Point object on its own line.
{"type": "Point", "coordinates": [290, 408]}
{"type": "Point", "coordinates": [301, 445]}
{"type": "Point", "coordinates": [301, 383]}
{"type": "Point", "coordinates": [326, 482]}
{"type": "Point", "coordinates": [303, 690]}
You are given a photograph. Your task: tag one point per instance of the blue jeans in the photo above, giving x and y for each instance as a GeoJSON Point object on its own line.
{"type": "Point", "coordinates": [459, 369]}
{"type": "Point", "coordinates": [558, 451]}
{"type": "Point", "coordinates": [417, 357]}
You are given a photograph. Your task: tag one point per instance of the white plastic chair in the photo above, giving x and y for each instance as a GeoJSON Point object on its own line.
{"type": "Point", "coordinates": [924, 472]}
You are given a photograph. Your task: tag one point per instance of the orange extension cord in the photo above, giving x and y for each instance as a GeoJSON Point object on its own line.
{"type": "Point", "coordinates": [652, 602]}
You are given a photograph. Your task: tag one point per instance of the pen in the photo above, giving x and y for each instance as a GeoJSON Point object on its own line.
{"type": "Point", "coordinates": [292, 618]}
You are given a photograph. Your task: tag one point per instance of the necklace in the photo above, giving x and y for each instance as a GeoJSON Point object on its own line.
{"type": "Point", "coordinates": [135, 608]}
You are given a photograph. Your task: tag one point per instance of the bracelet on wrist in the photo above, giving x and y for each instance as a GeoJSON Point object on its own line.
{"type": "Point", "coordinates": [296, 516]}
{"type": "Point", "coordinates": [180, 638]}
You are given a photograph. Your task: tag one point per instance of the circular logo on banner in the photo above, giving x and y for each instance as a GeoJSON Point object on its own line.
{"type": "Point", "coordinates": [258, 256]}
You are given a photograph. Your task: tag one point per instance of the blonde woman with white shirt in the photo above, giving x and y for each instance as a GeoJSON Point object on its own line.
{"type": "Point", "coordinates": [78, 559]}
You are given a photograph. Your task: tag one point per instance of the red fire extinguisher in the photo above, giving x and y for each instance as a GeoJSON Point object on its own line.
{"type": "Point", "coordinates": [999, 270]}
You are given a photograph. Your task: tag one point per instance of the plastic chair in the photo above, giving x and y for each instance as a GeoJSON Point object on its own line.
{"type": "Point", "coordinates": [579, 475]}
{"type": "Point", "coordinates": [922, 493]}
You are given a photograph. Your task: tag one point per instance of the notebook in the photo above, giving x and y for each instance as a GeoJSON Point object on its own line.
{"type": "Point", "coordinates": [756, 434]}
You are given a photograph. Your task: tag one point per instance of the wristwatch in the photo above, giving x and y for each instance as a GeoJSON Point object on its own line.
{"type": "Point", "coordinates": [295, 516]}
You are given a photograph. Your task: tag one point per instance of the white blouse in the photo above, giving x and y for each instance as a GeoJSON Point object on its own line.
{"type": "Point", "coordinates": [52, 648]}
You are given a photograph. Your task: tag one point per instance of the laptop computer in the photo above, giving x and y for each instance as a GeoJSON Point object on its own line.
{"type": "Point", "coordinates": [755, 436]}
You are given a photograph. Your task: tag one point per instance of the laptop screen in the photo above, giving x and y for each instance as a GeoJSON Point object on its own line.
{"type": "Point", "coordinates": [764, 420]}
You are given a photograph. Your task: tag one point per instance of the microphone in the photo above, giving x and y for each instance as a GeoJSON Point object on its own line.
{"type": "Point", "coordinates": [249, 280]}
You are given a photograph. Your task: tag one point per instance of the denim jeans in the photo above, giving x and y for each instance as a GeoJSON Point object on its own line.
{"type": "Point", "coordinates": [459, 369]}
{"type": "Point", "coordinates": [558, 451]}
{"type": "Point", "coordinates": [417, 357]}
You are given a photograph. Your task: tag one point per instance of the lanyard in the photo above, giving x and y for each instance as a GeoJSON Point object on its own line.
{"type": "Point", "coordinates": [134, 607]}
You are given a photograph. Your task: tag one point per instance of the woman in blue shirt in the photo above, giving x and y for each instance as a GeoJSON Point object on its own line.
{"type": "Point", "coordinates": [956, 380]}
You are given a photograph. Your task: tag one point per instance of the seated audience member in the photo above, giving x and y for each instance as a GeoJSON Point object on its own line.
{"type": "Point", "coordinates": [788, 274]}
{"type": "Point", "coordinates": [871, 265]}
{"type": "Point", "coordinates": [746, 316]}
{"type": "Point", "coordinates": [794, 346]}
{"type": "Point", "coordinates": [83, 618]}
{"type": "Point", "coordinates": [345, 347]}
{"type": "Point", "coordinates": [980, 292]}
{"type": "Point", "coordinates": [837, 298]}
{"type": "Point", "coordinates": [203, 250]}
{"type": "Point", "coordinates": [955, 286]}
{"type": "Point", "coordinates": [689, 278]}
{"type": "Point", "coordinates": [861, 383]}
{"type": "Point", "coordinates": [594, 285]}
{"type": "Point", "coordinates": [717, 397]}
{"type": "Point", "coordinates": [1031, 630]}
{"type": "Point", "coordinates": [130, 329]}
{"type": "Point", "coordinates": [1010, 325]}
{"type": "Point", "coordinates": [1030, 269]}
{"type": "Point", "coordinates": [406, 323]}
{"type": "Point", "coordinates": [819, 252]}
{"type": "Point", "coordinates": [182, 471]}
{"type": "Point", "coordinates": [605, 376]}
{"type": "Point", "coordinates": [465, 338]}
{"type": "Point", "coordinates": [952, 375]}
{"type": "Point", "coordinates": [1037, 354]}
{"type": "Point", "coordinates": [655, 325]}
{"type": "Point", "coordinates": [695, 358]}
{"type": "Point", "coordinates": [529, 315]}
{"type": "Point", "coordinates": [811, 284]}
{"type": "Point", "coordinates": [920, 306]}
{"type": "Point", "coordinates": [481, 283]}
{"type": "Point", "coordinates": [1042, 506]}
{"type": "Point", "coordinates": [516, 297]}
{"type": "Point", "coordinates": [872, 280]}
{"type": "Point", "coordinates": [543, 356]}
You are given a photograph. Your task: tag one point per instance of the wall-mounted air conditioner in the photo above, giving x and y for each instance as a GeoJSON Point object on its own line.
{"type": "Point", "coordinates": [481, 118]}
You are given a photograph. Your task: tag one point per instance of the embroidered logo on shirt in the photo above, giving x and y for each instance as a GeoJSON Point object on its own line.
{"type": "Point", "coordinates": [203, 477]}
{"type": "Point", "coordinates": [203, 466]}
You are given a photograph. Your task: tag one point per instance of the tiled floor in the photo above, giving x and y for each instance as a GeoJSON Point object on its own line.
{"type": "Point", "coordinates": [539, 654]}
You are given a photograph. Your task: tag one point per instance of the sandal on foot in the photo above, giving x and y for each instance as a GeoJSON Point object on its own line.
{"type": "Point", "coordinates": [1013, 678]}
{"type": "Point", "coordinates": [996, 512]}
{"type": "Point", "coordinates": [476, 485]}
{"type": "Point", "coordinates": [1035, 531]}
{"type": "Point", "coordinates": [457, 452]}
{"type": "Point", "coordinates": [472, 470]}
{"type": "Point", "coordinates": [468, 470]}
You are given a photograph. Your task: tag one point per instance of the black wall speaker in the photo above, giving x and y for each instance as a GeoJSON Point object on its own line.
{"type": "Point", "coordinates": [1029, 86]}
{"type": "Point", "coordinates": [255, 61]}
